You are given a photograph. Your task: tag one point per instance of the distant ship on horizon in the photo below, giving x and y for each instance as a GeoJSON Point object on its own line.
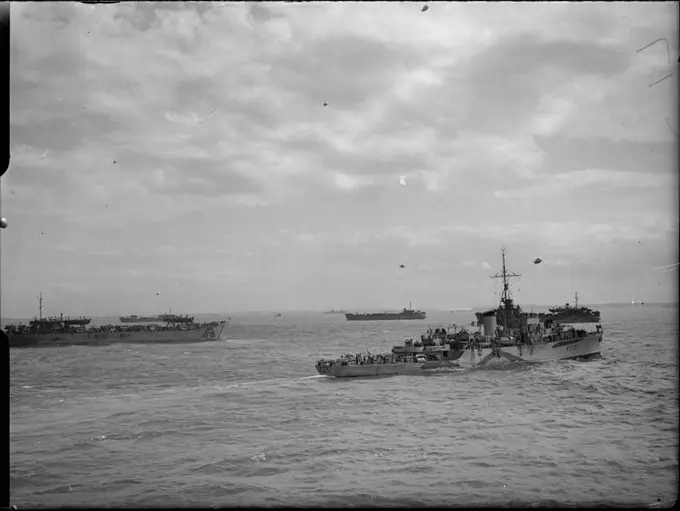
{"type": "Point", "coordinates": [404, 314]}
{"type": "Point", "coordinates": [66, 331]}
{"type": "Point", "coordinates": [333, 311]}
{"type": "Point", "coordinates": [573, 314]}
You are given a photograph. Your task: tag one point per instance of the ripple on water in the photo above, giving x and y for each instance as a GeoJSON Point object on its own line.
{"type": "Point", "coordinates": [213, 423]}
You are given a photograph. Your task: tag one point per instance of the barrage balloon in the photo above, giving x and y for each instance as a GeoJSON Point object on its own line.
{"type": "Point", "coordinates": [3, 222]}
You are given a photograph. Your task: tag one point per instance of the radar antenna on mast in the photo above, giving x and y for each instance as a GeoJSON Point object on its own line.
{"type": "Point", "coordinates": [41, 305]}
{"type": "Point", "coordinates": [505, 297]}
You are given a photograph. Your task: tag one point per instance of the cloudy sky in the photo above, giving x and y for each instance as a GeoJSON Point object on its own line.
{"type": "Point", "coordinates": [249, 156]}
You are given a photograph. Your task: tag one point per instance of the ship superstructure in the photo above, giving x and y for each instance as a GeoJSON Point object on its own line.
{"type": "Point", "coordinates": [161, 318]}
{"type": "Point", "coordinates": [133, 318]}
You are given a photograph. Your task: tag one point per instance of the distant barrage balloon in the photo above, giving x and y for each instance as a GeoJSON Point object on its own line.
{"type": "Point", "coordinates": [158, 293]}
{"type": "Point", "coordinates": [3, 222]}
{"type": "Point", "coordinates": [402, 266]}
{"type": "Point", "coordinates": [538, 260]}
{"type": "Point", "coordinates": [425, 8]}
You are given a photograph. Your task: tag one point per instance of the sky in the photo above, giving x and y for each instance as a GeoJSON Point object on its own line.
{"type": "Point", "coordinates": [224, 157]}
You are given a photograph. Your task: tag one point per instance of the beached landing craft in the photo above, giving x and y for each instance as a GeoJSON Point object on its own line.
{"type": "Point", "coordinates": [53, 332]}
{"type": "Point", "coordinates": [508, 335]}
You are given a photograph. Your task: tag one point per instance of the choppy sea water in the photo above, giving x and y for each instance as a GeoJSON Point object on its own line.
{"type": "Point", "coordinates": [247, 421]}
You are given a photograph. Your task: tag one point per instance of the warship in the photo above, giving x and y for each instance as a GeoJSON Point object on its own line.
{"type": "Point", "coordinates": [505, 335]}
{"type": "Point", "coordinates": [573, 314]}
{"type": "Point", "coordinates": [54, 332]}
{"type": "Point", "coordinates": [387, 316]}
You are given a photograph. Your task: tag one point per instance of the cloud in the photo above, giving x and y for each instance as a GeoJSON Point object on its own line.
{"type": "Point", "coordinates": [474, 264]}
{"type": "Point", "coordinates": [306, 237]}
{"type": "Point", "coordinates": [564, 234]}
{"type": "Point", "coordinates": [600, 179]}
{"type": "Point", "coordinates": [350, 183]}
{"type": "Point", "coordinates": [531, 125]}
{"type": "Point", "coordinates": [190, 120]}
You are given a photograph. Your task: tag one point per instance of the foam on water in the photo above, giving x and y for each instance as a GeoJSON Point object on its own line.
{"type": "Point", "coordinates": [248, 422]}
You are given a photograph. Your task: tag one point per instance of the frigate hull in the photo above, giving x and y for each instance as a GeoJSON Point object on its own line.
{"type": "Point", "coordinates": [587, 346]}
{"type": "Point", "coordinates": [472, 357]}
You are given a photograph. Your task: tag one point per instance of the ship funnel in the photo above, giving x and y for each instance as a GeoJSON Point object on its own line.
{"type": "Point", "coordinates": [489, 323]}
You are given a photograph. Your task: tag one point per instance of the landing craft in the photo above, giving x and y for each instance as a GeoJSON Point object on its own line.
{"type": "Point", "coordinates": [538, 260]}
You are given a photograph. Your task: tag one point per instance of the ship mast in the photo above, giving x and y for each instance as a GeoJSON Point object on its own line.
{"type": "Point", "coordinates": [41, 306]}
{"type": "Point", "coordinates": [505, 275]}
{"type": "Point", "coordinates": [575, 300]}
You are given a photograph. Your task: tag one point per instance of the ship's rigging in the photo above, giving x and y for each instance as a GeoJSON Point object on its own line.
{"type": "Point", "coordinates": [506, 301]}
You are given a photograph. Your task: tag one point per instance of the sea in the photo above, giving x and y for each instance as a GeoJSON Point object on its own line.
{"type": "Point", "coordinates": [247, 421]}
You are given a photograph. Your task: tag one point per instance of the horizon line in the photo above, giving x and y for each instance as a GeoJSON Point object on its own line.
{"type": "Point", "coordinates": [362, 309]}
